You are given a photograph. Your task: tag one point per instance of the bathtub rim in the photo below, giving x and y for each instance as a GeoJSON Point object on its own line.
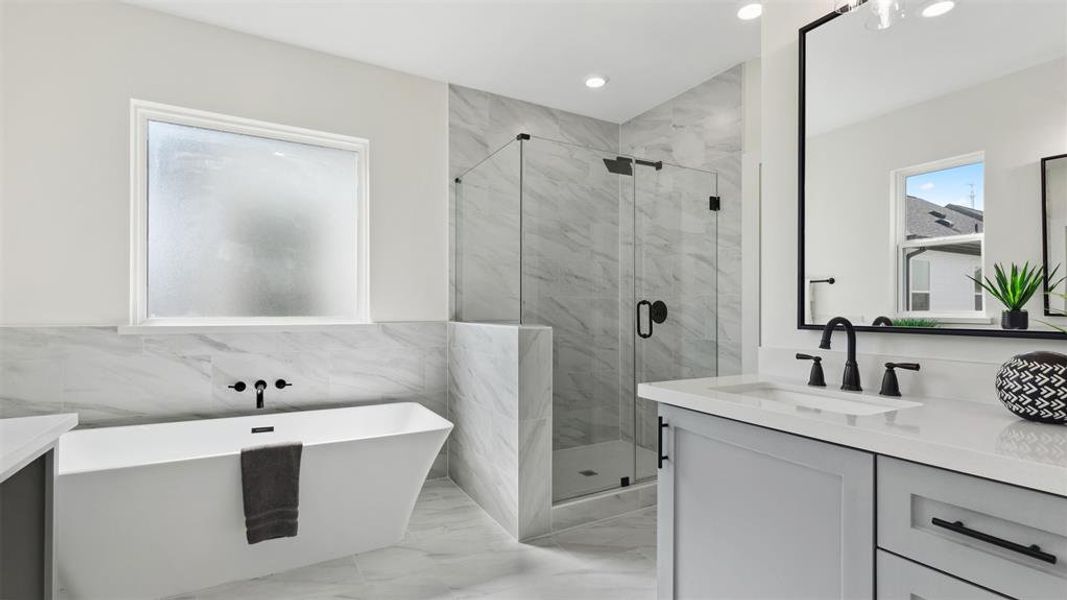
{"type": "Point", "coordinates": [438, 424]}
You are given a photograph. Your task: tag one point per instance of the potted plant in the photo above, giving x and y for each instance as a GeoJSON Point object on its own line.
{"type": "Point", "coordinates": [1014, 288]}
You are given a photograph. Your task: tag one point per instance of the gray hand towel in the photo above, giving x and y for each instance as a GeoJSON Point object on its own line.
{"type": "Point", "coordinates": [270, 481]}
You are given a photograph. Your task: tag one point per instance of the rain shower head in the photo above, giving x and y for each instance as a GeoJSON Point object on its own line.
{"type": "Point", "coordinates": [619, 166]}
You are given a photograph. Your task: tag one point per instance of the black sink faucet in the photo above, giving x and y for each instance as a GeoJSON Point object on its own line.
{"type": "Point", "coordinates": [851, 379]}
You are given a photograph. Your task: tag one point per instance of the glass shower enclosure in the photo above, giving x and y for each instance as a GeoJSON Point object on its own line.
{"type": "Point", "coordinates": [619, 256]}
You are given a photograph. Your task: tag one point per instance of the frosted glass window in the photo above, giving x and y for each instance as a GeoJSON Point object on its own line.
{"type": "Point", "coordinates": [244, 226]}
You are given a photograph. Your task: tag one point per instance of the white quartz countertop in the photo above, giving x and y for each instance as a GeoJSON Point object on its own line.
{"type": "Point", "coordinates": [23, 439]}
{"type": "Point", "coordinates": [979, 439]}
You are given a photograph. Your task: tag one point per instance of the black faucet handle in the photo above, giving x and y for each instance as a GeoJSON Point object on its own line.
{"type": "Point", "coordinates": [281, 384]}
{"type": "Point", "coordinates": [238, 387]}
{"type": "Point", "coordinates": [905, 366]}
{"type": "Point", "coordinates": [816, 378]}
{"type": "Point", "coordinates": [890, 385]}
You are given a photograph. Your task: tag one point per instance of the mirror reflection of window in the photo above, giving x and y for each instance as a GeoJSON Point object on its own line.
{"type": "Point", "coordinates": [943, 235]}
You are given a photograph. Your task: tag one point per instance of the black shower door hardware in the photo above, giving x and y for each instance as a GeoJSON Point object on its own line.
{"type": "Point", "coordinates": [660, 456]}
{"type": "Point", "coordinates": [657, 313]}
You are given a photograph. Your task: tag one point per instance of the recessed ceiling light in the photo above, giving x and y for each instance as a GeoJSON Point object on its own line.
{"type": "Point", "coordinates": [750, 11]}
{"type": "Point", "coordinates": [938, 8]}
{"type": "Point", "coordinates": [595, 81]}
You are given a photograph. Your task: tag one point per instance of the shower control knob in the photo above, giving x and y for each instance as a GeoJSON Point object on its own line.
{"type": "Point", "coordinates": [239, 386]}
{"type": "Point", "coordinates": [281, 384]}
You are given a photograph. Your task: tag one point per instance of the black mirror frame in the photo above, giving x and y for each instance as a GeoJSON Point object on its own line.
{"type": "Point", "coordinates": [1044, 230]}
{"type": "Point", "coordinates": [801, 291]}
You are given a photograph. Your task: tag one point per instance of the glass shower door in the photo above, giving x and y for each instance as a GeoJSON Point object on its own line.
{"type": "Point", "coordinates": [574, 281]}
{"type": "Point", "coordinates": [676, 274]}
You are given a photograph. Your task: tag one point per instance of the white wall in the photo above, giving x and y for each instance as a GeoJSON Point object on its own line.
{"type": "Point", "coordinates": [752, 107]}
{"type": "Point", "coordinates": [1015, 120]}
{"type": "Point", "coordinates": [781, 20]}
{"type": "Point", "coordinates": [70, 70]}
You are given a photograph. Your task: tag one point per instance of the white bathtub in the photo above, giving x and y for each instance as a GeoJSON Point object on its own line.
{"type": "Point", "coordinates": [155, 510]}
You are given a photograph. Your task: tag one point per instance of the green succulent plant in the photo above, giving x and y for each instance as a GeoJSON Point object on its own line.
{"type": "Point", "coordinates": [911, 322]}
{"type": "Point", "coordinates": [1015, 287]}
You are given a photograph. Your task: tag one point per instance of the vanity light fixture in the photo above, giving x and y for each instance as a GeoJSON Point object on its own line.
{"type": "Point", "coordinates": [595, 81]}
{"type": "Point", "coordinates": [937, 8]}
{"type": "Point", "coordinates": [886, 13]}
{"type": "Point", "coordinates": [750, 11]}
{"type": "Point", "coordinates": [845, 6]}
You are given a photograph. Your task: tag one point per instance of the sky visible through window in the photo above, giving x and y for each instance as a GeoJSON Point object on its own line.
{"type": "Point", "coordinates": [950, 186]}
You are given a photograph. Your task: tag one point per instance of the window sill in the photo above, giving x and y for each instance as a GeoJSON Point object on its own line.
{"type": "Point", "coordinates": [165, 328]}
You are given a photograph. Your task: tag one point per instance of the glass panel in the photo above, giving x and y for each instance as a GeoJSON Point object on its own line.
{"type": "Point", "coordinates": [487, 239]}
{"type": "Point", "coordinates": [945, 203]}
{"type": "Point", "coordinates": [572, 282]}
{"type": "Point", "coordinates": [245, 226]}
{"type": "Point", "coordinates": [676, 261]}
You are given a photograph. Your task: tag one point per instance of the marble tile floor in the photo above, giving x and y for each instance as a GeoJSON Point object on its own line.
{"type": "Point", "coordinates": [454, 550]}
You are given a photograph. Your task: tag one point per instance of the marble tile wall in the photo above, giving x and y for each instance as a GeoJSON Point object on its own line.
{"type": "Point", "coordinates": [500, 400]}
{"type": "Point", "coordinates": [570, 254]}
{"type": "Point", "coordinates": [578, 259]}
{"type": "Point", "coordinates": [695, 254]}
{"type": "Point", "coordinates": [113, 379]}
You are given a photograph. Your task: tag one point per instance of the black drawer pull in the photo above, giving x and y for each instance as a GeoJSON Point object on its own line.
{"type": "Point", "coordinates": [1033, 551]}
{"type": "Point", "coordinates": [660, 456]}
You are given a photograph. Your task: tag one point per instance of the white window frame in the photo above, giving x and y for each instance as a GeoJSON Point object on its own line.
{"type": "Point", "coordinates": [899, 242]}
{"type": "Point", "coordinates": [141, 112]}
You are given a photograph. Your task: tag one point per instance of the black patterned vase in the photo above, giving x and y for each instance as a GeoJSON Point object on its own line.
{"type": "Point", "coordinates": [1034, 386]}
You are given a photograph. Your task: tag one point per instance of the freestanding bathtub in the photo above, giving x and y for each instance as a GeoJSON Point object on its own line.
{"type": "Point", "coordinates": [155, 510]}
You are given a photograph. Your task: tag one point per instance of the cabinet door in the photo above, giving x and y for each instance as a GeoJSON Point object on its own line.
{"type": "Point", "coordinates": [747, 512]}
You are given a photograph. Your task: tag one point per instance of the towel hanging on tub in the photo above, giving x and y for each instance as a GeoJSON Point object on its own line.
{"type": "Point", "coordinates": [270, 482]}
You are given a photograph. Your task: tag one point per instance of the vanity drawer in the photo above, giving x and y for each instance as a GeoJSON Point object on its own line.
{"type": "Point", "coordinates": [973, 528]}
{"type": "Point", "coordinates": [900, 579]}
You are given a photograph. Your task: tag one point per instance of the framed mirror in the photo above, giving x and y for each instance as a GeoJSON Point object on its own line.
{"type": "Point", "coordinates": [921, 138]}
{"type": "Point", "coordinates": [1054, 229]}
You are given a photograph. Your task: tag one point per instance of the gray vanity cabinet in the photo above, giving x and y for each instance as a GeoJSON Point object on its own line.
{"type": "Point", "coordinates": [748, 512]}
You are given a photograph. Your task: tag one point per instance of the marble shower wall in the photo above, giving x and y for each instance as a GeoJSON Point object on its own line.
{"type": "Point", "coordinates": [500, 401]}
{"type": "Point", "coordinates": [570, 272]}
{"type": "Point", "coordinates": [700, 128]}
{"type": "Point", "coordinates": [113, 379]}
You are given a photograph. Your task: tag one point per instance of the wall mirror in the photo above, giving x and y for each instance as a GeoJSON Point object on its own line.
{"type": "Point", "coordinates": [922, 134]}
{"type": "Point", "coordinates": [1054, 194]}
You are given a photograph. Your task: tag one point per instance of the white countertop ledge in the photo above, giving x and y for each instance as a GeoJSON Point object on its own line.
{"type": "Point", "coordinates": [24, 439]}
{"type": "Point", "coordinates": [970, 437]}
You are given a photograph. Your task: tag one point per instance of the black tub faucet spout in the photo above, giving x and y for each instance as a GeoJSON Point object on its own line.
{"type": "Point", "coordinates": [260, 386]}
{"type": "Point", "coordinates": [851, 379]}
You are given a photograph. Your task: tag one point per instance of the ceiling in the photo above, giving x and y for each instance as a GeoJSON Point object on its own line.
{"type": "Point", "coordinates": [854, 74]}
{"type": "Point", "coordinates": [534, 50]}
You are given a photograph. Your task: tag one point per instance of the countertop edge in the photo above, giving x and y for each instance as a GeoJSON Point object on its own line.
{"type": "Point", "coordinates": [48, 428]}
{"type": "Point", "coordinates": [1032, 475]}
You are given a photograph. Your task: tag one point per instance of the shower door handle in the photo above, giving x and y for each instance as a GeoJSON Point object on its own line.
{"type": "Point", "coordinates": [639, 332]}
{"type": "Point", "coordinates": [657, 313]}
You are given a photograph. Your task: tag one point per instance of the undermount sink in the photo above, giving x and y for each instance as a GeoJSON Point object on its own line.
{"type": "Point", "coordinates": [814, 399]}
